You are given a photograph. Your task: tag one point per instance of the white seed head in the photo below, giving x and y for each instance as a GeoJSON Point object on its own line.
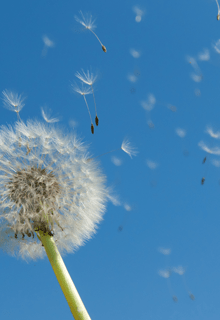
{"type": "Point", "coordinates": [46, 183]}
{"type": "Point", "coordinates": [88, 78]}
{"type": "Point", "coordinates": [180, 270]}
{"type": "Point", "coordinates": [48, 42]}
{"type": "Point", "coordinates": [164, 273]}
{"type": "Point", "coordinates": [165, 251]}
{"type": "Point", "coordinates": [204, 147]}
{"type": "Point", "coordinates": [47, 117]}
{"type": "Point", "coordinates": [88, 22]}
{"type": "Point", "coordinates": [13, 101]}
{"type": "Point", "coordinates": [83, 91]}
{"type": "Point", "coordinates": [126, 147]}
{"type": "Point", "coordinates": [215, 135]}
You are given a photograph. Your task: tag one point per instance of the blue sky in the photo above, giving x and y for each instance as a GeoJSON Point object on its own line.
{"type": "Point", "coordinates": [118, 273]}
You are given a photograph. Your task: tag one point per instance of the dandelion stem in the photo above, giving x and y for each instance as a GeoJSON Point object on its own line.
{"type": "Point", "coordinates": [94, 99]}
{"type": "Point", "coordinates": [87, 107]}
{"type": "Point", "coordinates": [96, 36]}
{"type": "Point", "coordinates": [71, 294]}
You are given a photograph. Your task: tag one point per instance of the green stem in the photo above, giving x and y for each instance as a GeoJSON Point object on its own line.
{"type": "Point", "coordinates": [74, 301]}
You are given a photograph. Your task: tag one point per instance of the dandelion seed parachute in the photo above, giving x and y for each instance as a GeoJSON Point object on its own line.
{"type": "Point", "coordinates": [89, 24]}
{"type": "Point", "coordinates": [52, 188]}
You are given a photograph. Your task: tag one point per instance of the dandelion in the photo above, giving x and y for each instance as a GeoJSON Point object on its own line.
{"type": "Point", "coordinates": [46, 117]}
{"type": "Point", "coordinates": [89, 79]}
{"type": "Point", "coordinates": [89, 24]}
{"type": "Point", "coordinates": [51, 198]}
{"type": "Point", "coordinates": [218, 15]}
{"type": "Point", "coordinates": [12, 101]}
{"type": "Point", "coordinates": [84, 92]}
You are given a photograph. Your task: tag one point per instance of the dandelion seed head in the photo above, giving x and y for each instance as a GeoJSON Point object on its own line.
{"type": "Point", "coordinates": [132, 77]}
{"type": "Point", "coordinates": [165, 251]}
{"type": "Point", "coordinates": [204, 56]}
{"type": "Point", "coordinates": [12, 101]}
{"type": "Point", "coordinates": [83, 90]}
{"type": "Point", "coordinates": [135, 53]}
{"type": "Point", "coordinates": [215, 135]}
{"type": "Point", "coordinates": [88, 78]}
{"type": "Point", "coordinates": [216, 163]}
{"type": "Point", "coordinates": [204, 147]}
{"type": "Point", "coordinates": [180, 132]}
{"type": "Point", "coordinates": [127, 148]}
{"type": "Point", "coordinates": [116, 161]}
{"type": "Point", "coordinates": [47, 184]}
{"type": "Point", "coordinates": [151, 164]}
{"type": "Point", "coordinates": [47, 117]}
{"type": "Point", "coordinates": [164, 273]}
{"type": "Point", "coordinates": [48, 42]}
{"type": "Point", "coordinates": [87, 21]}
{"type": "Point", "coordinates": [216, 46]}
{"type": "Point", "coordinates": [127, 207]}
{"type": "Point", "coordinates": [180, 270]}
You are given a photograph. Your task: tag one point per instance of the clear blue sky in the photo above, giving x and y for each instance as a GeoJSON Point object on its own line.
{"type": "Point", "coordinates": [117, 272]}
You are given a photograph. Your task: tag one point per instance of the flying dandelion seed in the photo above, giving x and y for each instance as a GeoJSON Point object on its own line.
{"type": "Point", "coordinates": [139, 13]}
{"type": "Point", "coordinates": [89, 24]}
{"type": "Point", "coordinates": [12, 101]}
{"type": "Point", "coordinates": [218, 15]}
{"type": "Point", "coordinates": [181, 271]}
{"type": "Point", "coordinates": [204, 56]}
{"type": "Point", "coordinates": [84, 92]}
{"type": "Point", "coordinates": [149, 103]}
{"type": "Point", "coordinates": [181, 132]}
{"type": "Point", "coordinates": [216, 46]}
{"type": "Point", "coordinates": [116, 161]}
{"type": "Point", "coordinates": [166, 274]}
{"type": "Point", "coordinates": [150, 124]}
{"type": "Point", "coordinates": [135, 53]}
{"type": "Point", "coordinates": [47, 44]}
{"type": "Point", "coordinates": [89, 78]}
{"type": "Point", "coordinates": [125, 146]}
{"type": "Point", "coordinates": [204, 147]}
{"type": "Point", "coordinates": [215, 135]}
{"type": "Point", "coordinates": [165, 251]}
{"type": "Point", "coordinates": [47, 117]}
{"type": "Point", "coordinates": [216, 163]}
{"type": "Point", "coordinates": [151, 164]}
